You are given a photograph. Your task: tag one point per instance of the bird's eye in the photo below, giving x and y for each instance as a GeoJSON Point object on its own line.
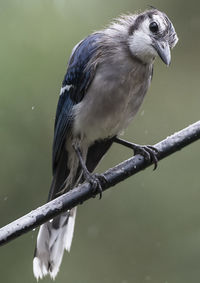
{"type": "Point", "coordinates": [153, 27]}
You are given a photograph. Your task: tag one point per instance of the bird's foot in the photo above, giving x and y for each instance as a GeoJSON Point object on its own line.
{"type": "Point", "coordinates": [148, 151]}
{"type": "Point", "coordinates": [95, 180]}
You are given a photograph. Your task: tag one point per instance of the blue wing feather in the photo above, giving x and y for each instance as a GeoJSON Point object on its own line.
{"type": "Point", "coordinates": [79, 79]}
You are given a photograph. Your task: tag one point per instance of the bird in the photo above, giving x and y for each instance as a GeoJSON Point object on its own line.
{"type": "Point", "coordinates": [108, 75]}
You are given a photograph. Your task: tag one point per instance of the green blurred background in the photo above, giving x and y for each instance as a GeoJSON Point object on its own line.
{"type": "Point", "coordinates": [147, 229]}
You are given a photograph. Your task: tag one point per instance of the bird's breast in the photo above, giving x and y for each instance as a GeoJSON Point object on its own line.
{"type": "Point", "coordinates": [111, 102]}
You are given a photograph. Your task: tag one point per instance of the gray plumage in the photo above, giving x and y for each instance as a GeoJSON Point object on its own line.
{"type": "Point", "coordinates": [107, 78]}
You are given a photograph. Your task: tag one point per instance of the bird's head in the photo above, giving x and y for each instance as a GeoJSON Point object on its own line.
{"type": "Point", "coordinates": [152, 34]}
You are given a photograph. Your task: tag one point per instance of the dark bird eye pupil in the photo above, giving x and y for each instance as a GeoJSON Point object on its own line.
{"type": "Point", "coordinates": [153, 27]}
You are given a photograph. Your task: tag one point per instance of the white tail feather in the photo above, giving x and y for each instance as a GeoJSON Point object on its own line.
{"type": "Point", "coordinates": [70, 229]}
{"type": "Point", "coordinates": [51, 243]}
{"type": "Point", "coordinates": [40, 263]}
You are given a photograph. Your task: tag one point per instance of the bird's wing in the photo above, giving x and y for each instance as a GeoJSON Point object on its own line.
{"type": "Point", "coordinates": [74, 87]}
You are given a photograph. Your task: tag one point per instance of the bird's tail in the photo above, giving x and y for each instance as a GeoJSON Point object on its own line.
{"type": "Point", "coordinates": [56, 235]}
{"type": "Point", "coordinates": [53, 238]}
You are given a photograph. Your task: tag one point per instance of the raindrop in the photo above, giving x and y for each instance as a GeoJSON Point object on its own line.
{"type": "Point", "coordinates": [148, 278]}
{"type": "Point", "coordinates": [93, 231]}
{"type": "Point", "coordinates": [158, 244]}
{"type": "Point", "coordinates": [142, 113]}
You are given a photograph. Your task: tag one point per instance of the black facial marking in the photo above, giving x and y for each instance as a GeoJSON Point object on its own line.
{"type": "Point", "coordinates": [137, 23]}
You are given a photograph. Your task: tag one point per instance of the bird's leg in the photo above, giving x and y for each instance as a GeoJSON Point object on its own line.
{"type": "Point", "coordinates": [148, 151]}
{"type": "Point", "coordinates": [94, 179]}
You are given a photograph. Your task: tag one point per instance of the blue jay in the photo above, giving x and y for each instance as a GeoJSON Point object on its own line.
{"type": "Point", "coordinates": [107, 77]}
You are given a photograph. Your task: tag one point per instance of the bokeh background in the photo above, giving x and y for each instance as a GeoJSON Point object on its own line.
{"type": "Point", "coordinates": [147, 229]}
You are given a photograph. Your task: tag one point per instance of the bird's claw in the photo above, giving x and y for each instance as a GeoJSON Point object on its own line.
{"type": "Point", "coordinates": [148, 151]}
{"type": "Point", "coordinates": [96, 180]}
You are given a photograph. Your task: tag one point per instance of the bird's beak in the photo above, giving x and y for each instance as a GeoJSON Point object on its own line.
{"type": "Point", "coordinates": [163, 50]}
